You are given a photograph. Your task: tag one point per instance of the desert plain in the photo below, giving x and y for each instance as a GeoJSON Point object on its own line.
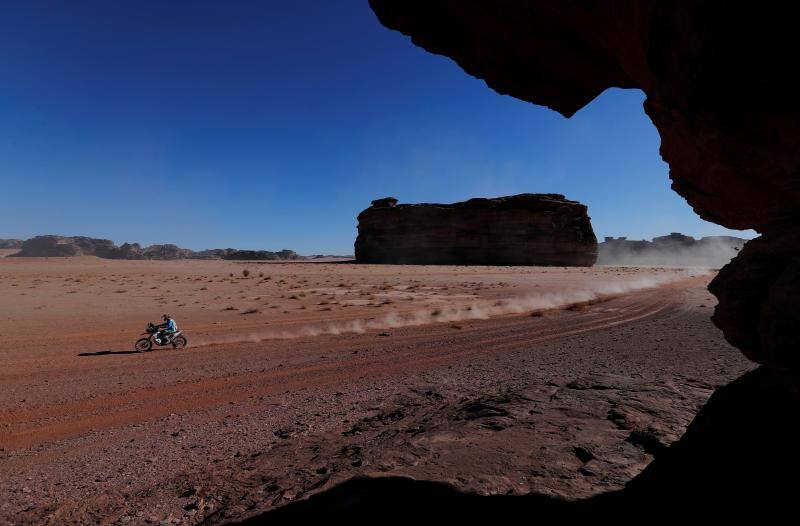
{"type": "Point", "coordinates": [298, 376]}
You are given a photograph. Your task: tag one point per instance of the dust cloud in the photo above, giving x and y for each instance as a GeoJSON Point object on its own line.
{"type": "Point", "coordinates": [471, 310]}
{"type": "Point", "coordinates": [674, 250]}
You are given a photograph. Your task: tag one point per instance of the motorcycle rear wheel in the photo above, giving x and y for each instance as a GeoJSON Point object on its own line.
{"type": "Point", "coordinates": [179, 342]}
{"type": "Point", "coordinates": [143, 344]}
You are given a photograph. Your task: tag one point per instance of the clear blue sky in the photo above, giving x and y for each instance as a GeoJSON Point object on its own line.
{"type": "Point", "coordinates": [256, 124]}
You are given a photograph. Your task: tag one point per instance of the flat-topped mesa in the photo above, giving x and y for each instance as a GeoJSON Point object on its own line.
{"type": "Point", "coordinates": [524, 229]}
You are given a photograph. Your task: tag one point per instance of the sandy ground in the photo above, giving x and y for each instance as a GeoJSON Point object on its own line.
{"type": "Point", "coordinates": [300, 375]}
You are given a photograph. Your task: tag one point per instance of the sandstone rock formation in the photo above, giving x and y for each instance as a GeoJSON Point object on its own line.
{"type": "Point", "coordinates": [525, 229]}
{"type": "Point", "coordinates": [63, 246]}
{"type": "Point", "coordinates": [673, 250]}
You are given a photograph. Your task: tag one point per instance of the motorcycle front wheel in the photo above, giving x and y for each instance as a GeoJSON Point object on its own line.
{"type": "Point", "coordinates": [179, 342]}
{"type": "Point", "coordinates": [143, 344]}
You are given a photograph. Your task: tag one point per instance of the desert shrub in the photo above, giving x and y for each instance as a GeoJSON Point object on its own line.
{"type": "Point", "coordinates": [245, 273]}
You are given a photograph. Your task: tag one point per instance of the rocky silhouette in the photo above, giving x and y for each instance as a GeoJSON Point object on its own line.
{"type": "Point", "coordinates": [674, 249]}
{"type": "Point", "coordinates": [525, 229]}
{"type": "Point", "coordinates": [63, 246]}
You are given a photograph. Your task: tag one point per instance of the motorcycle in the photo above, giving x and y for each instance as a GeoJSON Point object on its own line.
{"type": "Point", "coordinates": [177, 339]}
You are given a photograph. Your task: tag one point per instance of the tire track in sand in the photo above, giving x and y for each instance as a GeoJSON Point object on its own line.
{"type": "Point", "coordinates": [416, 350]}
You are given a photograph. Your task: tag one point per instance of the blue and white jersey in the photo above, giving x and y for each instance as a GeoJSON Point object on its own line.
{"type": "Point", "coordinates": [171, 325]}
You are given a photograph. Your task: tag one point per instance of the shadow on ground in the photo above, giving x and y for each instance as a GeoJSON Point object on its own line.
{"type": "Point", "coordinates": [106, 352]}
{"type": "Point", "coordinates": [739, 456]}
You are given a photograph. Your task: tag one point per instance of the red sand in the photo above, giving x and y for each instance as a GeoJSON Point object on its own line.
{"type": "Point", "coordinates": [261, 414]}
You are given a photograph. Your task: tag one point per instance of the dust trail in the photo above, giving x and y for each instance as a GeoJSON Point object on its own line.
{"type": "Point", "coordinates": [473, 310]}
{"type": "Point", "coordinates": [712, 251]}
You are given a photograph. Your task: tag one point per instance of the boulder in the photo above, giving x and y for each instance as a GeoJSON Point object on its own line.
{"type": "Point", "coordinates": [525, 229]}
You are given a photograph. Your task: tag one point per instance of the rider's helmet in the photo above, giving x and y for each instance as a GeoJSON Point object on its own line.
{"type": "Point", "coordinates": [166, 317]}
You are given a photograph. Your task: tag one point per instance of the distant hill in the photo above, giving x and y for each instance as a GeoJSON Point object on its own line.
{"type": "Point", "coordinates": [674, 249]}
{"type": "Point", "coordinates": [232, 253]}
{"type": "Point", "coordinates": [64, 246]}
{"type": "Point", "coordinates": [10, 243]}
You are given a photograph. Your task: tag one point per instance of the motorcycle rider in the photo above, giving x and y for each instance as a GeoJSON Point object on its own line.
{"type": "Point", "coordinates": [168, 328]}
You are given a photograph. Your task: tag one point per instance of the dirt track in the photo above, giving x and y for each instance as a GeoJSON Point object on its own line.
{"type": "Point", "coordinates": [226, 430]}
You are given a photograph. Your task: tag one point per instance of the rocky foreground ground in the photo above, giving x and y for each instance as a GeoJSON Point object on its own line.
{"type": "Point", "coordinates": [568, 401]}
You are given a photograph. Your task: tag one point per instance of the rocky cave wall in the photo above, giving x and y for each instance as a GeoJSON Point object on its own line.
{"type": "Point", "coordinates": [525, 229]}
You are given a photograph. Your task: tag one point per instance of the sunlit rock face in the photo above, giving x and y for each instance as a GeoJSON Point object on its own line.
{"type": "Point", "coordinates": [525, 229]}
{"type": "Point", "coordinates": [722, 90]}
